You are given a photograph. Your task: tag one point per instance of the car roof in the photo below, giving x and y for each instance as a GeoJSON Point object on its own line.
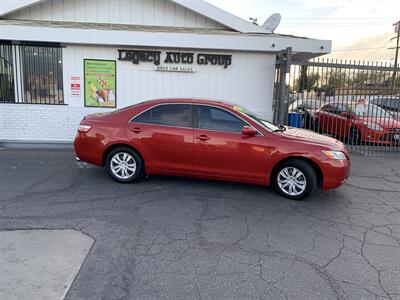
{"type": "Point", "coordinates": [346, 103]}
{"type": "Point", "coordinates": [190, 100]}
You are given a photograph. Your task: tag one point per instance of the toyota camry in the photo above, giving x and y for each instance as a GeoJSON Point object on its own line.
{"type": "Point", "coordinates": [212, 140]}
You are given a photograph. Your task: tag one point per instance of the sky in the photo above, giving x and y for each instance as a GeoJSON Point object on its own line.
{"type": "Point", "coordinates": [359, 29]}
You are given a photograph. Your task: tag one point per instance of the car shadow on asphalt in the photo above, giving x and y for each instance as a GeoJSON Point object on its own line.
{"type": "Point", "coordinates": [97, 175]}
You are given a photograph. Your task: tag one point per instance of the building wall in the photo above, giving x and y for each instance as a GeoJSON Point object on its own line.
{"type": "Point", "coordinates": [142, 12]}
{"type": "Point", "coordinates": [248, 82]}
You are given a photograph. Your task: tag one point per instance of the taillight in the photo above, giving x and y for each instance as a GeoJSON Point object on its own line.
{"type": "Point", "coordinates": [84, 128]}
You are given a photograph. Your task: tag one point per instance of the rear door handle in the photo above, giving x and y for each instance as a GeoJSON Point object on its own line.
{"type": "Point", "coordinates": [203, 137]}
{"type": "Point", "coordinates": [136, 130]}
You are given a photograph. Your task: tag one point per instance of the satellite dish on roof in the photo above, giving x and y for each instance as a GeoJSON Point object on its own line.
{"type": "Point", "coordinates": [272, 22]}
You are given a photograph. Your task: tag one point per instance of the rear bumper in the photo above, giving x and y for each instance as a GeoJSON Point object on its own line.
{"type": "Point", "coordinates": [88, 149]}
{"type": "Point", "coordinates": [335, 173]}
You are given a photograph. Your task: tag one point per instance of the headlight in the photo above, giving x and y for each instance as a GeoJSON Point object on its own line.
{"type": "Point", "coordinates": [338, 155]}
{"type": "Point", "coordinates": [374, 126]}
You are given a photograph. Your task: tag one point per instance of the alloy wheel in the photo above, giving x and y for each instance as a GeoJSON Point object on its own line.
{"type": "Point", "coordinates": [292, 181]}
{"type": "Point", "coordinates": [123, 165]}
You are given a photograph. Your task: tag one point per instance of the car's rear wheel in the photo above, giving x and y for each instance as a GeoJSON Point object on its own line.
{"type": "Point", "coordinates": [294, 179]}
{"type": "Point", "coordinates": [124, 165]}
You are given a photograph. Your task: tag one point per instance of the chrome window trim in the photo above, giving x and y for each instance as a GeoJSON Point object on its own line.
{"type": "Point", "coordinates": [193, 127]}
{"type": "Point", "coordinates": [162, 104]}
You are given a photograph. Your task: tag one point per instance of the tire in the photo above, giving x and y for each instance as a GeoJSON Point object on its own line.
{"type": "Point", "coordinates": [128, 162]}
{"type": "Point", "coordinates": [307, 175]}
{"type": "Point", "coordinates": [354, 137]}
{"type": "Point", "coordinates": [317, 126]}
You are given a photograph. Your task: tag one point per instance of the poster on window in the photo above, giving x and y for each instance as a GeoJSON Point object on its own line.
{"type": "Point", "coordinates": [100, 83]}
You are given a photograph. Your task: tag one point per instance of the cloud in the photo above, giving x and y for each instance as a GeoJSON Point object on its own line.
{"type": "Point", "coordinates": [350, 24]}
{"type": "Point", "coordinates": [372, 48]}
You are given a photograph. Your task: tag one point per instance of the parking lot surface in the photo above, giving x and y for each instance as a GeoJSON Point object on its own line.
{"type": "Point", "coordinates": [177, 238]}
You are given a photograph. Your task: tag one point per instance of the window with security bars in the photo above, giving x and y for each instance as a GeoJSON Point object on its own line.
{"type": "Point", "coordinates": [33, 73]}
{"type": "Point", "coordinates": [6, 73]}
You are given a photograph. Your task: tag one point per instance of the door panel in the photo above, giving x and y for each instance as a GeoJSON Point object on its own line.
{"type": "Point", "coordinates": [164, 148]}
{"type": "Point", "coordinates": [221, 150]}
{"type": "Point", "coordinates": [228, 154]}
{"type": "Point", "coordinates": [164, 135]}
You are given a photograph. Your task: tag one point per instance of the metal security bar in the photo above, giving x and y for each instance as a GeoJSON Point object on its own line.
{"type": "Point", "coordinates": [354, 102]}
{"type": "Point", "coordinates": [6, 73]}
{"type": "Point", "coordinates": [31, 73]}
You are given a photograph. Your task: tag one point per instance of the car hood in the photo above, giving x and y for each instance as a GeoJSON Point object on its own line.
{"type": "Point", "coordinates": [309, 136]}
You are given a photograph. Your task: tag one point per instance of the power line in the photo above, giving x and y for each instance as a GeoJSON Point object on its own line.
{"type": "Point", "coordinates": [358, 49]}
{"type": "Point", "coordinates": [331, 18]}
{"type": "Point", "coordinates": [381, 47]}
{"type": "Point", "coordinates": [328, 25]}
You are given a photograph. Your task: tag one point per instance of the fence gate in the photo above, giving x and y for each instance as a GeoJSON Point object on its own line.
{"type": "Point", "coordinates": [355, 102]}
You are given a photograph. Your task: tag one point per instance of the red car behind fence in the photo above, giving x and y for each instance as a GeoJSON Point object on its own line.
{"type": "Point", "coordinates": [358, 123]}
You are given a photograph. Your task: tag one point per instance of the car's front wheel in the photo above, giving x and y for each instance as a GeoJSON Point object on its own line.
{"type": "Point", "coordinates": [124, 165]}
{"type": "Point", "coordinates": [294, 179]}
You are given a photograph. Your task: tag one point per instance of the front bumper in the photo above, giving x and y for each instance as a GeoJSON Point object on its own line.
{"type": "Point", "coordinates": [335, 173]}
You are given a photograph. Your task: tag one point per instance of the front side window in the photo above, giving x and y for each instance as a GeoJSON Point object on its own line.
{"type": "Point", "coordinates": [340, 108]}
{"type": "Point", "coordinates": [177, 115]}
{"type": "Point", "coordinates": [42, 78]}
{"type": "Point", "coordinates": [329, 108]}
{"type": "Point", "coordinates": [212, 118]}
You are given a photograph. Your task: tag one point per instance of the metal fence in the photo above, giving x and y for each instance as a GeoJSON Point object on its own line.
{"type": "Point", "coordinates": [355, 102]}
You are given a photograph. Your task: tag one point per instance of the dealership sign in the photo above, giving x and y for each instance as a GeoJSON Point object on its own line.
{"type": "Point", "coordinates": [174, 58]}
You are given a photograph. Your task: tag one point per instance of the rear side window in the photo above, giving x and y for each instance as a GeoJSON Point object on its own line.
{"type": "Point", "coordinates": [177, 115]}
{"type": "Point", "coordinates": [212, 118]}
{"type": "Point", "coordinates": [143, 117]}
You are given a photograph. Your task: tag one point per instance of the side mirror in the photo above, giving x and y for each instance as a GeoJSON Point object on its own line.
{"type": "Point", "coordinates": [346, 115]}
{"type": "Point", "coordinates": [249, 131]}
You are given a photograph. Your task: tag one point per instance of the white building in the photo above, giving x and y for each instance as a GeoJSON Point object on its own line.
{"type": "Point", "coordinates": [159, 48]}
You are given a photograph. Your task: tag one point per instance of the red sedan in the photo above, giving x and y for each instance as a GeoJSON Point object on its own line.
{"type": "Point", "coordinates": [213, 140]}
{"type": "Point", "coordinates": [359, 123]}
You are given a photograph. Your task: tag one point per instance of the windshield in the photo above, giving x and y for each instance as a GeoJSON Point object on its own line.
{"type": "Point", "coordinates": [259, 120]}
{"type": "Point", "coordinates": [369, 111]}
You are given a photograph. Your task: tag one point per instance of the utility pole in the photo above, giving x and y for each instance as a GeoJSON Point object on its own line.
{"type": "Point", "coordinates": [397, 30]}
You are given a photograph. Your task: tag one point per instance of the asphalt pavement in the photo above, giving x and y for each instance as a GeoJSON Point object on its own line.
{"type": "Point", "coordinates": [179, 238]}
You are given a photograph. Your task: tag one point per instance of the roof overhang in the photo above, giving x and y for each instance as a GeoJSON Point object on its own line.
{"type": "Point", "coordinates": [8, 7]}
{"type": "Point", "coordinates": [150, 38]}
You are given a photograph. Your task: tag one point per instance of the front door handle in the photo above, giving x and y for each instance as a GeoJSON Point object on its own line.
{"type": "Point", "coordinates": [203, 137]}
{"type": "Point", "coordinates": [136, 130]}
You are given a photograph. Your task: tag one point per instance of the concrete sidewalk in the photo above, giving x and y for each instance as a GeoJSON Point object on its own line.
{"type": "Point", "coordinates": [177, 238]}
{"type": "Point", "coordinates": [40, 264]}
